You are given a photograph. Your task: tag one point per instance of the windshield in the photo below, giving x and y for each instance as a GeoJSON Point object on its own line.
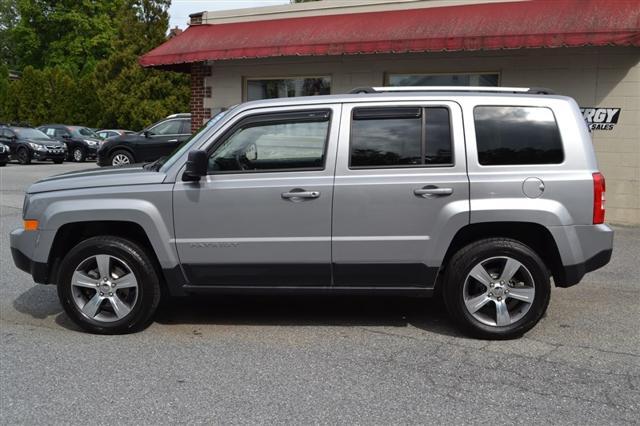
{"type": "Point", "coordinates": [83, 132]}
{"type": "Point", "coordinates": [28, 133]}
{"type": "Point", "coordinates": [167, 162]}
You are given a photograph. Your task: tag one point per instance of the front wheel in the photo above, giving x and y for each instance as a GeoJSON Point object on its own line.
{"type": "Point", "coordinates": [108, 285]}
{"type": "Point", "coordinates": [496, 288]}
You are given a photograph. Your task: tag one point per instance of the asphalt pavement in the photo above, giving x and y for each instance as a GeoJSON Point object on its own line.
{"type": "Point", "coordinates": [302, 360]}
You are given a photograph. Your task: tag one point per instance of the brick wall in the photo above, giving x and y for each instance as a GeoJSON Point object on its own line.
{"type": "Point", "coordinates": [199, 113]}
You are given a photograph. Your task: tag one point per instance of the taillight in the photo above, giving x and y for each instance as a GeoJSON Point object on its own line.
{"type": "Point", "coordinates": [599, 189]}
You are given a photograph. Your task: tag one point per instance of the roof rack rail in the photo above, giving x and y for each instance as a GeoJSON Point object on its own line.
{"type": "Point", "coordinates": [484, 89]}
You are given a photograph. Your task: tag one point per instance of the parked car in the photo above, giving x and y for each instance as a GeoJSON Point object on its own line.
{"type": "Point", "coordinates": [158, 140]}
{"type": "Point", "coordinates": [82, 142]}
{"type": "Point", "coordinates": [477, 195]}
{"type": "Point", "coordinates": [110, 133]}
{"type": "Point", "coordinates": [27, 144]}
{"type": "Point", "coordinates": [4, 154]}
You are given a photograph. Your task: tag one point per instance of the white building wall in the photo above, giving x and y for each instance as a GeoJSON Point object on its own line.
{"type": "Point", "coordinates": [595, 77]}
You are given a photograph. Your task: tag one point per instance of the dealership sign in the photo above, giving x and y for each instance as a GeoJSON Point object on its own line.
{"type": "Point", "coordinates": [601, 118]}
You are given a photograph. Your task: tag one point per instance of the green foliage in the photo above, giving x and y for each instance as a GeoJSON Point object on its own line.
{"type": "Point", "coordinates": [79, 63]}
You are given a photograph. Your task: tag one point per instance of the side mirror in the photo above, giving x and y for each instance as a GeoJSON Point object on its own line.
{"type": "Point", "coordinates": [66, 136]}
{"type": "Point", "coordinates": [146, 133]}
{"type": "Point", "coordinates": [196, 166]}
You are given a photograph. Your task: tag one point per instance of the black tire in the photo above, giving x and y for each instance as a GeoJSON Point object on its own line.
{"type": "Point", "coordinates": [463, 262]}
{"type": "Point", "coordinates": [2, 164]}
{"type": "Point", "coordinates": [120, 154]}
{"type": "Point", "coordinates": [24, 156]}
{"type": "Point", "coordinates": [57, 161]}
{"type": "Point", "coordinates": [136, 258]}
{"type": "Point", "coordinates": [78, 154]}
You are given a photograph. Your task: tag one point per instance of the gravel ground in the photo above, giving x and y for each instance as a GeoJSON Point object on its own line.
{"type": "Point", "coordinates": [304, 360]}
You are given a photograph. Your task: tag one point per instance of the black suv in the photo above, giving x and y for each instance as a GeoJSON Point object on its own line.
{"type": "Point", "coordinates": [27, 143]}
{"type": "Point", "coordinates": [158, 140]}
{"type": "Point", "coordinates": [81, 142]}
{"type": "Point", "coordinates": [4, 155]}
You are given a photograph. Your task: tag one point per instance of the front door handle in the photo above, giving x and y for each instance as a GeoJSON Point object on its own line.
{"type": "Point", "coordinates": [172, 140]}
{"type": "Point", "coordinates": [431, 191]}
{"type": "Point", "coordinates": [298, 194]}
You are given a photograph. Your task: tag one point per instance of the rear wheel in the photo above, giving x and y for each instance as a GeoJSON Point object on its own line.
{"type": "Point", "coordinates": [496, 288]}
{"type": "Point", "coordinates": [121, 158]}
{"type": "Point", "coordinates": [108, 285]}
{"type": "Point", "coordinates": [78, 154]}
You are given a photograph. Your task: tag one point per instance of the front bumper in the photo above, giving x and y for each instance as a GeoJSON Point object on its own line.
{"type": "Point", "coordinates": [49, 155]}
{"type": "Point", "coordinates": [21, 242]}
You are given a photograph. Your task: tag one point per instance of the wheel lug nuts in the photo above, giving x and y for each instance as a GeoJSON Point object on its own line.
{"type": "Point", "coordinates": [502, 282]}
{"type": "Point", "coordinates": [491, 285]}
{"type": "Point", "coordinates": [490, 294]}
{"type": "Point", "coordinates": [499, 298]}
{"type": "Point", "coordinates": [101, 294]}
{"type": "Point", "coordinates": [110, 294]}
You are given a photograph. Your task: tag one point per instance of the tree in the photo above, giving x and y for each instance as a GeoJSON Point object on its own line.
{"type": "Point", "coordinates": [80, 63]}
{"type": "Point", "coordinates": [131, 96]}
{"type": "Point", "coordinates": [8, 21]}
{"type": "Point", "coordinates": [74, 34]}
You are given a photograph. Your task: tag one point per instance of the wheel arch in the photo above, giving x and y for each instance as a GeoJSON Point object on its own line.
{"type": "Point", "coordinates": [534, 235]}
{"type": "Point", "coordinates": [71, 234]}
{"type": "Point", "coordinates": [121, 148]}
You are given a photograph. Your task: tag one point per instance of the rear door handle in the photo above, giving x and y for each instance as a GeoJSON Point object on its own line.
{"type": "Point", "coordinates": [300, 194]}
{"type": "Point", "coordinates": [431, 191]}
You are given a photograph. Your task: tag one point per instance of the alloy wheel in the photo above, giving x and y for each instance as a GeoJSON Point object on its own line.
{"type": "Point", "coordinates": [104, 288]}
{"type": "Point", "coordinates": [77, 154]}
{"type": "Point", "coordinates": [120, 160]}
{"type": "Point", "coordinates": [499, 291]}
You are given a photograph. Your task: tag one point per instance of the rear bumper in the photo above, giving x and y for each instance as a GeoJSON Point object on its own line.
{"type": "Point", "coordinates": [582, 248]}
{"type": "Point", "coordinates": [572, 274]}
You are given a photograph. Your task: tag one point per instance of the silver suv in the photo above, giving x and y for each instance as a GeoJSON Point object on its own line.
{"type": "Point", "coordinates": [477, 195]}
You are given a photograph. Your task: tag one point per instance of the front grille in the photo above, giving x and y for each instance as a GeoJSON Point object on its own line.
{"type": "Point", "coordinates": [55, 149]}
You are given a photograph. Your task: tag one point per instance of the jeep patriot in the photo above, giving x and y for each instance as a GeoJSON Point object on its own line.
{"type": "Point", "coordinates": [479, 196]}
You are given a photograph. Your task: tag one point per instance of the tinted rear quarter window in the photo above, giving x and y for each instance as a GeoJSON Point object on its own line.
{"type": "Point", "coordinates": [514, 135]}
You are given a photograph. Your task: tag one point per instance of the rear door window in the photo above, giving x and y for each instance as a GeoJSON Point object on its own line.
{"type": "Point", "coordinates": [513, 135]}
{"type": "Point", "coordinates": [400, 137]}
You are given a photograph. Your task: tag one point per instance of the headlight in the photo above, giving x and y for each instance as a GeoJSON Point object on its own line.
{"type": "Point", "coordinates": [25, 205]}
{"type": "Point", "coordinates": [91, 143]}
{"type": "Point", "coordinates": [37, 147]}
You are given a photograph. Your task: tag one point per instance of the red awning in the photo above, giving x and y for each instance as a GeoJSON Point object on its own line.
{"type": "Point", "coordinates": [510, 25]}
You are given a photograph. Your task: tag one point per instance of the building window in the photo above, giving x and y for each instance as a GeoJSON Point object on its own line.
{"type": "Point", "coordinates": [480, 79]}
{"type": "Point", "coordinates": [268, 88]}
